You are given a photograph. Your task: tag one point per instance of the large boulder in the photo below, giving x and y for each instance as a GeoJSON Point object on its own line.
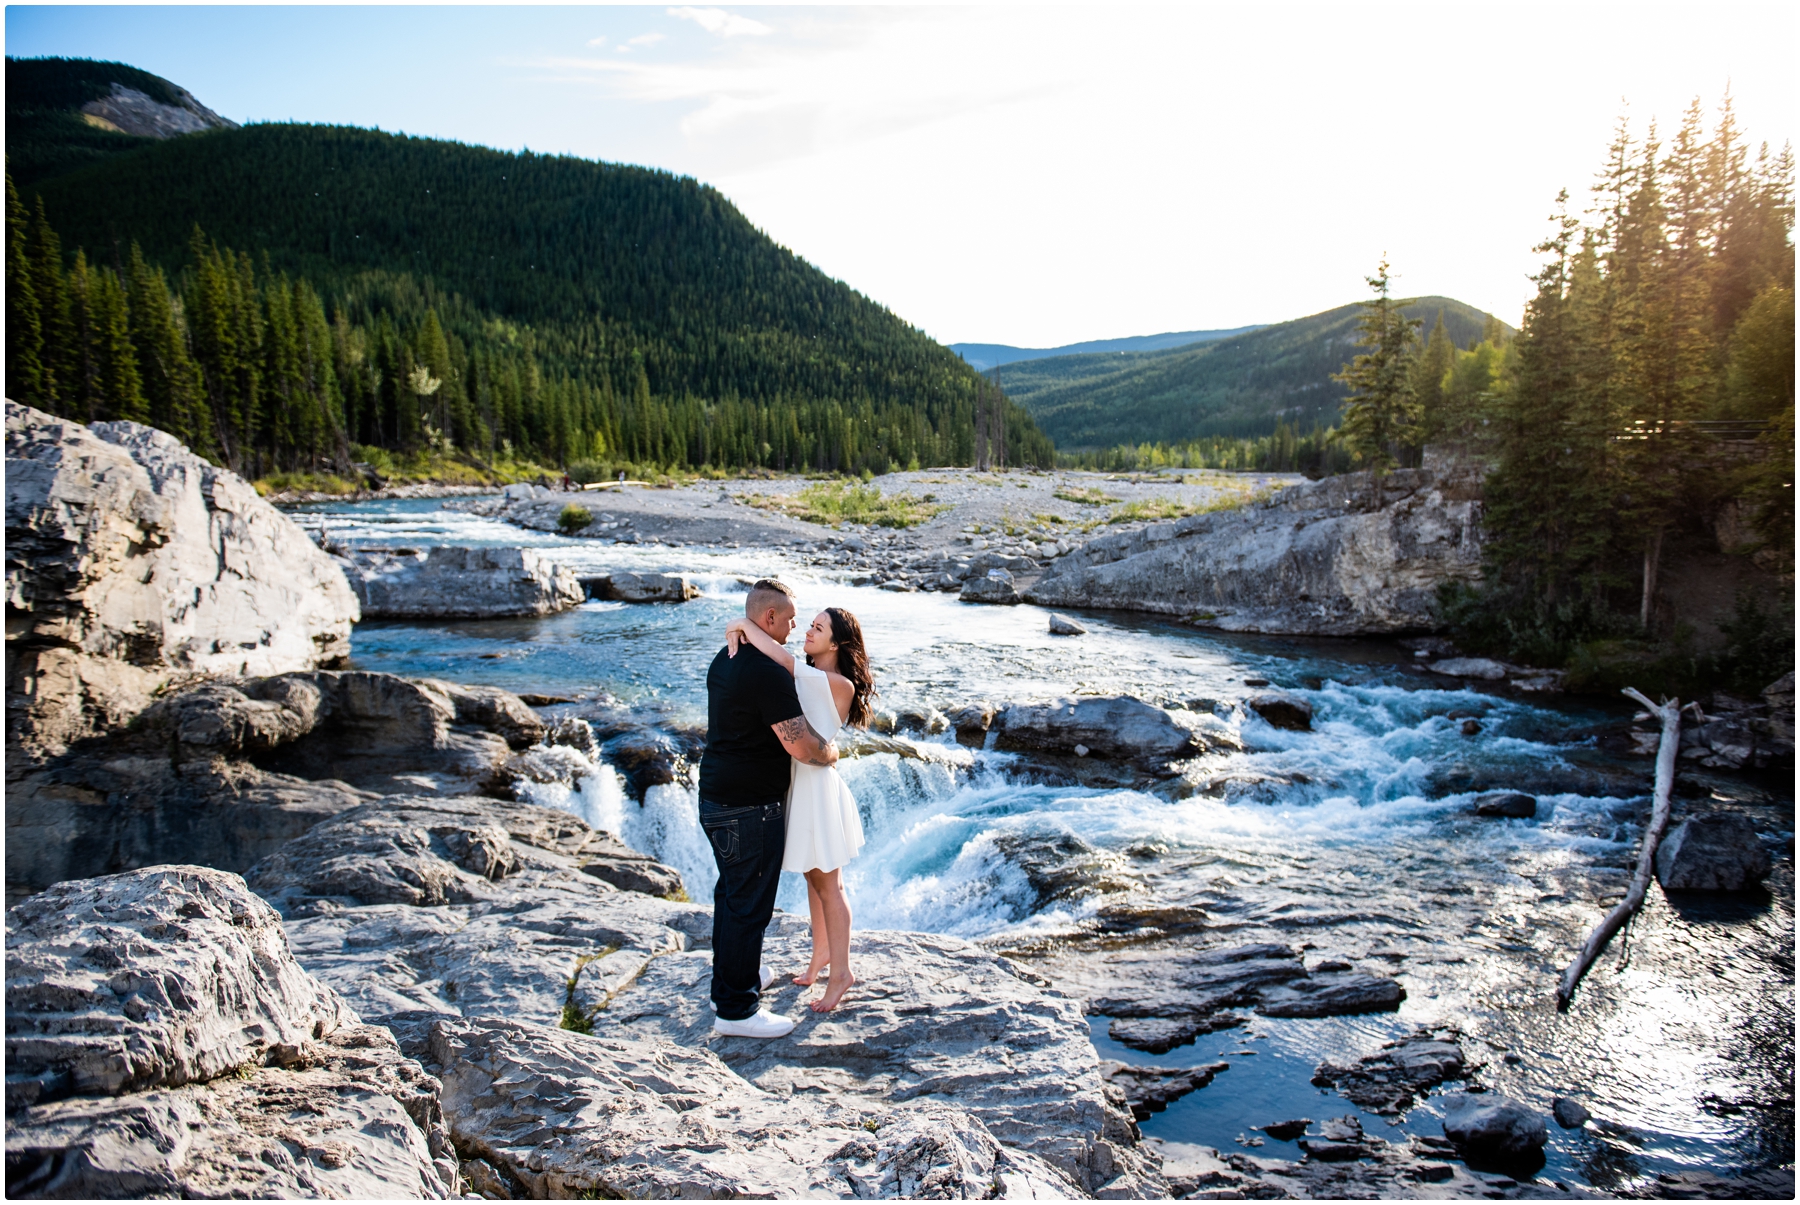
{"type": "Point", "coordinates": [1117, 727]}
{"type": "Point", "coordinates": [131, 561]}
{"type": "Point", "coordinates": [162, 1041]}
{"type": "Point", "coordinates": [459, 583]}
{"type": "Point", "coordinates": [1715, 851]}
{"type": "Point", "coordinates": [1350, 555]}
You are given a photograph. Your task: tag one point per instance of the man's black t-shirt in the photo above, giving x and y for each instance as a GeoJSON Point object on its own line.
{"type": "Point", "coordinates": [744, 762]}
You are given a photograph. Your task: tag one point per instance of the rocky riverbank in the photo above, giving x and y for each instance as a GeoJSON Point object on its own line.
{"type": "Point", "coordinates": [396, 977]}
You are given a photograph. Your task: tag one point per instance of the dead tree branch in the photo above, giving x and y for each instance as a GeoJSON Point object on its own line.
{"type": "Point", "coordinates": [1670, 714]}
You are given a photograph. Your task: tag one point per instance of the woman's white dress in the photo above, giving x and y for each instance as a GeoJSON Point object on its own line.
{"type": "Point", "coordinates": [824, 830]}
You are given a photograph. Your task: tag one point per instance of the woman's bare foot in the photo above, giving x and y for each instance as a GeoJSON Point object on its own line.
{"type": "Point", "coordinates": [811, 976]}
{"type": "Point", "coordinates": [837, 985]}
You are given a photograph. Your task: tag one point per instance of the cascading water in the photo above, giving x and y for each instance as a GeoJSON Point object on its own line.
{"type": "Point", "coordinates": [1353, 839]}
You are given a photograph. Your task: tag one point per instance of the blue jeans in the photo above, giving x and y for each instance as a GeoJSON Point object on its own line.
{"type": "Point", "coordinates": [747, 844]}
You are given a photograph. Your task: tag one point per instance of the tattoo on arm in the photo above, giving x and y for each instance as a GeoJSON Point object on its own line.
{"type": "Point", "coordinates": [797, 731]}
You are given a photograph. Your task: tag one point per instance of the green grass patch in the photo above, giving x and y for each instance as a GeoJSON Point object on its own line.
{"type": "Point", "coordinates": [574, 1017]}
{"type": "Point", "coordinates": [834, 502]}
{"type": "Point", "coordinates": [573, 518]}
{"type": "Point", "coordinates": [1087, 496]}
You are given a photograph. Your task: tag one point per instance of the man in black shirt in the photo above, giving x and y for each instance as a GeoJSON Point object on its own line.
{"type": "Point", "coordinates": [754, 726]}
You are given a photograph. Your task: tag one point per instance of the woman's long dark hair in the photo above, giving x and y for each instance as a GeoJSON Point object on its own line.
{"type": "Point", "coordinates": [853, 663]}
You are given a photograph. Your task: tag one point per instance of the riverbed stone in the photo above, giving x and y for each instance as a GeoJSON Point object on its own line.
{"type": "Point", "coordinates": [130, 563]}
{"type": "Point", "coordinates": [1147, 1090]}
{"type": "Point", "coordinates": [1282, 710]}
{"type": "Point", "coordinates": [1493, 1125]}
{"type": "Point", "coordinates": [994, 587]}
{"type": "Point", "coordinates": [1508, 805]}
{"type": "Point", "coordinates": [1570, 1114]}
{"type": "Point", "coordinates": [1714, 851]}
{"type": "Point", "coordinates": [1119, 727]}
{"type": "Point", "coordinates": [1332, 994]}
{"type": "Point", "coordinates": [1062, 625]}
{"type": "Point", "coordinates": [447, 582]}
{"type": "Point", "coordinates": [1482, 668]}
{"type": "Point", "coordinates": [1391, 1079]}
{"type": "Point", "coordinates": [645, 587]}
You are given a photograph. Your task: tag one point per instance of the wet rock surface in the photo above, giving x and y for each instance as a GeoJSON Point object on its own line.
{"type": "Point", "coordinates": [1394, 1077]}
{"type": "Point", "coordinates": [1147, 1090]}
{"type": "Point", "coordinates": [162, 1041]}
{"type": "Point", "coordinates": [642, 587]}
{"type": "Point", "coordinates": [1494, 1126]}
{"type": "Point", "coordinates": [458, 583]}
{"type": "Point", "coordinates": [1282, 711]}
{"type": "Point", "coordinates": [994, 587]}
{"type": "Point", "coordinates": [1714, 851]}
{"type": "Point", "coordinates": [1505, 805]}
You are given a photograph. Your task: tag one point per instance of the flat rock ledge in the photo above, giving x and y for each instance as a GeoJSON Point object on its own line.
{"type": "Point", "coordinates": [162, 1041]}
{"type": "Point", "coordinates": [459, 583]}
{"type": "Point", "coordinates": [437, 916]}
{"type": "Point", "coordinates": [1346, 556]}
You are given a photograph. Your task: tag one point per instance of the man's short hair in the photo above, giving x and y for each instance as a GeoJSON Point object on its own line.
{"type": "Point", "coordinates": [765, 594]}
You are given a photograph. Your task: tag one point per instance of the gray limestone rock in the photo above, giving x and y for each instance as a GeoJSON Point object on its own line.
{"type": "Point", "coordinates": [645, 587]}
{"type": "Point", "coordinates": [152, 978]}
{"type": "Point", "coordinates": [1493, 1125]}
{"type": "Point", "coordinates": [129, 562]}
{"type": "Point", "coordinates": [1281, 710]}
{"type": "Point", "coordinates": [933, 1017]}
{"type": "Point", "coordinates": [1147, 1090]}
{"type": "Point", "coordinates": [459, 583]}
{"type": "Point", "coordinates": [1062, 625]}
{"type": "Point", "coordinates": [1715, 851]}
{"type": "Point", "coordinates": [994, 587]}
{"type": "Point", "coordinates": [130, 111]}
{"type": "Point", "coordinates": [161, 1040]}
{"type": "Point", "coordinates": [1344, 556]}
{"type": "Point", "coordinates": [1389, 1080]}
{"type": "Point", "coordinates": [563, 1115]}
{"type": "Point", "coordinates": [1120, 727]}
{"type": "Point", "coordinates": [1333, 994]}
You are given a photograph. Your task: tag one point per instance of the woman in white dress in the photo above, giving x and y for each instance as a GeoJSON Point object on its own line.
{"type": "Point", "coordinates": [824, 830]}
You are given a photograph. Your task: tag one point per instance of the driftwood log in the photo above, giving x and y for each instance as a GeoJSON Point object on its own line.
{"type": "Point", "coordinates": [1670, 714]}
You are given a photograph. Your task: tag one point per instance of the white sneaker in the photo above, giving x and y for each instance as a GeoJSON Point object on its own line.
{"type": "Point", "coordinates": [764, 1024]}
{"type": "Point", "coordinates": [768, 977]}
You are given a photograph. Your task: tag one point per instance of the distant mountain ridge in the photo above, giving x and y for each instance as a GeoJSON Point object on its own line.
{"type": "Point", "coordinates": [984, 356]}
{"type": "Point", "coordinates": [1239, 386]}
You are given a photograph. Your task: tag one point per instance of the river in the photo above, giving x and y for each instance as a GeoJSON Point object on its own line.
{"type": "Point", "coordinates": [1355, 837]}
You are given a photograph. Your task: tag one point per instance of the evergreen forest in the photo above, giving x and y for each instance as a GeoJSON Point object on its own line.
{"type": "Point", "coordinates": [280, 296]}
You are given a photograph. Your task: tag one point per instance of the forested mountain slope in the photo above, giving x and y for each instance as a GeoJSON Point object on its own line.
{"type": "Point", "coordinates": [990, 355]}
{"type": "Point", "coordinates": [1240, 386]}
{"type": "Point", "coordinates": [619, 288]}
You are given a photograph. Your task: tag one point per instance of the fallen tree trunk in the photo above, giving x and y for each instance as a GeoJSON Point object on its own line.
{"type": "Point", "coordinates": [1670, 714]}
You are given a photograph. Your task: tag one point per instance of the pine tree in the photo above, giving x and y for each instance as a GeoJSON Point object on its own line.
{"type": "Point", "coordinates": [49, 285]}
{"type": "Point", "coordinates": [1381, 415]}
{"type": "Point", "coordinates": [24, 318]}
{"type": "Point", "coordinates": [1430, 368]}
{"type": "Point", "coordinates": [121, 386]}
{"type": "Point", "coordinates": [174, 390]}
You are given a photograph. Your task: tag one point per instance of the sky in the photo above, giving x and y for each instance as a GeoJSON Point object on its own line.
{"type": "Point", "coordinates": [1021, 174]}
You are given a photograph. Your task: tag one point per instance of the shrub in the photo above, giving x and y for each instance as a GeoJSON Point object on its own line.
{"type": "Point", "coordinates": [573, 519]}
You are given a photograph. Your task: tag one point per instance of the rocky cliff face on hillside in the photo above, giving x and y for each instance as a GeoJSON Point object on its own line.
{"type": "Point", "coordinates": [1341, 557]}
{"type": "Point", "coordinates": [132, 112]}
{"type": "Point", "coordinates": [131, 562]}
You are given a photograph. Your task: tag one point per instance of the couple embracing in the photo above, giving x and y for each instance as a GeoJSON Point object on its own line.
{"type": "Point", "coordinates": [771, 799]}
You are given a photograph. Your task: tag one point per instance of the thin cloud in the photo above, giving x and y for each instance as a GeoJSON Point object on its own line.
{"type": "Point", "coordinates": [599, 41]}
{"type": "Point", "coordinates": [718, 21]}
